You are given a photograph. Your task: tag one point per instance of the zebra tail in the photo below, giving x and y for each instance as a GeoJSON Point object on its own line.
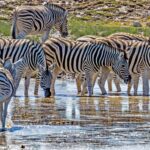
{"type": "Point", "coordinates": [14, 22]}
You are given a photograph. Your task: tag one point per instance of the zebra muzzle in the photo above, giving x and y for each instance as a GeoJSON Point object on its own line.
{"type": "Point", "coordinates": [128, 80]}
{"type": "Point", "coordinates": [47, 92]}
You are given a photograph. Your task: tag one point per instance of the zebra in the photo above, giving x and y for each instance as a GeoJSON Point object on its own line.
{"type": "Point", "coordinates": [29, 54]}
{"type": "Point", "coordinates": [39, 20]}
{"type": "Point", "coordinates": [7, 88]}
{"type": "Point", "coordinates": [128, 36]}
{"type": "Point", "coordinates": [112, 75]}
{"type": "Point", "coordinates": [145, 73]}
{"type": "Point", "coordinates": [78, 57]}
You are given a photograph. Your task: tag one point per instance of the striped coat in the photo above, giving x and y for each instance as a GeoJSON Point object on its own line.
{"type": "Point", "coordinates": [6, 91]}
{"type": "Point", "coordinates": [29, 55]}
{"type": "Point", "coordinates": [39, 20]}
{"type": "Point", "coordinates": [146, 72]}
{"type": "Point", "coordinates": [78, 57]}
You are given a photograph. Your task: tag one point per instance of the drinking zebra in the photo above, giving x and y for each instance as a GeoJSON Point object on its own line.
{"type": "Point", "coordinates": [111, 75]}
{"type": "Point", "coordinates": [145, 73]}
{"type": "Point", "coordinates": [127, 46]}
{"type": "Point", "coordinates": [79, 57]}
{"type": "Point", "coordinates": [7, 72]}
{"type": "Point", "coordinates": [39, 20]}
{"type": "Point", "coordinates": [29, 53]}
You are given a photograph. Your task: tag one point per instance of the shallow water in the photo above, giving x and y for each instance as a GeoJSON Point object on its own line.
{"type": "Point", "coordinates": [67, 121]}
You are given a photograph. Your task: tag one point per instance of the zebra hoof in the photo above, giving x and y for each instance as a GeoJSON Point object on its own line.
{"type": "Point", "coordinates": [105, 93]}
{"type": "Point", "coordinates": [135, 94]}
{"type": "Point", "coordinates": [26, 94]}
{"type": "Point", "coordinates": [145, 94]}
{"type": "Point", "coordinates": [35, 93]}
{"type": "Point", "coordinates": [3, 129]}
{"type": "Point", "coordinates": [118, 90]}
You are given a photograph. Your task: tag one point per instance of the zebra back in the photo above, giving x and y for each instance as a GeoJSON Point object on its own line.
{"type": "Point", "coordinates": [64, 52]}
{"type": "Point", "coordinates": [31, 51]}
{"type": "Point", "coordinates": [119, 44]}
{"type": "Point", "coordinates": [128, 36]}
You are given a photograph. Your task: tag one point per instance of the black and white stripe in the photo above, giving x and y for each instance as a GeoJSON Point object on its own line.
{"type": "Point", "coordinates": [28, 54]}
{"type": "Point", "coordinates": [145, 72]}
{"type": "Point", "coordinates": [6, 90]}
{"type": "Point", "coordinates": [79, 57]}
{"type": "Point", "coordinates": [39, 20]}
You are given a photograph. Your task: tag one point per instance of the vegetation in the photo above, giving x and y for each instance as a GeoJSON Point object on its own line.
{"type": "Point", "coordinates": [4, 28]}
{"type": "Point", "coordinates": [78, 27]}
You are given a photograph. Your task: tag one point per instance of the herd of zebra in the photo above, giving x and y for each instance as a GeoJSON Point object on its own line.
{"type": "Point", "coordinates": [127, 55]}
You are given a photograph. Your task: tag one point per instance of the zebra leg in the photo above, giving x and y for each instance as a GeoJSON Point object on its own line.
{"type": "Point", "coordinates": [78, 83]}
{"type": "Point", "coordinates": [56, 71]}
{"type": "Point", "coordinates": [103, 78]}
{"type": "Point", "coordinates": [135, 83]}
{"type": "Point", "coordinates": [84, 85]}
{"type": "Point", "coordinates": [17, 80]}
{"type": "Point", "coordinates": [89, 76]}
{"type": "Point", "coordinates": [95, 75]}
{"type": "Point", "coordinates": [129, 87]}
{"type": "Point", "coordinates": [45, 36]}
{"type": "Point", "coordinates": [37, 83]}
{"type": "Point", "coordinates": [145, 83]}
{"type": "Point", "coordinates": [27, 83]}
{"type": "Point", "coordinates": [109, 81]}
{"type": "Point", "coordinates": [5, 113]}
{"type": "Point", "coordinates": [117, 83]}
{"type": "Point", "coordinates": [1, 111]}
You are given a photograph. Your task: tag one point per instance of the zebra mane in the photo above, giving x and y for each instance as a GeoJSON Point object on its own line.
{"type": "Point", "coordinates": [54, 7]}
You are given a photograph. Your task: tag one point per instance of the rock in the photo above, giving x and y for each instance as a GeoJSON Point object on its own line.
{"type": "Point", "coordinates": [2, 4]}
{"type": "Point", "coordinates": [123, 10]}
{"type": "Point", "coordinates": [137, 24]}
{"type": "Point", "coordinates": [78, 16]}
{"type": "Point", "coordinates": [148, 24]}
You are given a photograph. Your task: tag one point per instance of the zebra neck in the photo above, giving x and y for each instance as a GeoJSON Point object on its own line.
{"type": "Point", "coordinates": [12, 72]}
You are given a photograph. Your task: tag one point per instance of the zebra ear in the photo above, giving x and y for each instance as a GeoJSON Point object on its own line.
{"type": "Point", "coordinates": [8, 63]}
{"type": "Point", "coordinates": [121, 55]}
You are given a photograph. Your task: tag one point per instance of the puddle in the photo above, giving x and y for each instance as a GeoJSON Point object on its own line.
{"type": "Point", "coordinates": [112, 122]}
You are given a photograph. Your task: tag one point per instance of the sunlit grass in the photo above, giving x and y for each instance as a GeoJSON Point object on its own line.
{"type": "Point", "coordinates": [78, 27]}
{"type": "Point", "coordinates": [5, 28]}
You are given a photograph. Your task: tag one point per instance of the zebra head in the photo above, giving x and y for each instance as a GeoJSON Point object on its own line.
{"type": "Point", "coordinates": [45, 82]}
{"type": "Point", "coordinates": [120, 67]}
{"type": "Point", "coordinates": [61, 25]}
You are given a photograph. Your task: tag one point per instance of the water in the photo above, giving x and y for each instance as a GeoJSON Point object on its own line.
{"type": "Point", "coordinates": [67, 121]}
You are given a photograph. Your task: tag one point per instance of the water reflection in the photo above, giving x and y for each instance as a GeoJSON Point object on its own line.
{"type": "Point", "coordinates": [81, 110]}
{"type": "Point", "coordinates": [86, 121]}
